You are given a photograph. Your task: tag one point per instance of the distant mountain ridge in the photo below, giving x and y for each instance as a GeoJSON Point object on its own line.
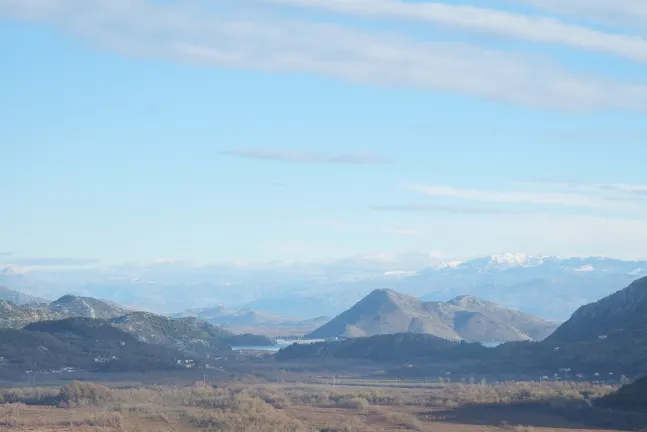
{"type": "Point", "coordinates": [19, 298]}
{"type": "Point", "coordinates": [546, 286]}
{"type": "Point", "coordinates": [257, 322]}
{"type": "Point", "coordinates": [226, 316]}
{"type": "Point", "coordinates": [386, 311]}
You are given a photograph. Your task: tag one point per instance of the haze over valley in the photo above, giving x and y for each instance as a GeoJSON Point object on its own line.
{"type": "Point", "coordinates": [548, 287]}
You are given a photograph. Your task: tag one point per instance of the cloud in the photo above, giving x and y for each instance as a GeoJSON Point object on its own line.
{"type": "Point", "coordinates": [187, 32]}
{"type": "Point", "coordinates": [610, 191]}
{"type": "Point", "coordinates": [437, 208]}
{"type": "Point", "coordinates": [632, 13]}
{"type": "Point", "coordinates": [53, 262]}
{"type": "Point", "coordinates": [501, 23]}
{"type": "Point", "coordinates": [566, 199]}
{"type": "Point", "coordinates": [294, 156]}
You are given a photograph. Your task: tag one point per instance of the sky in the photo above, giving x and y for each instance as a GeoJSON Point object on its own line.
{"type": "Point", "coordinates": [309, 130]}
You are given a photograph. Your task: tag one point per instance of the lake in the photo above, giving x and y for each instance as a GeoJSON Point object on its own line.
{"type": "Point", "coordinates": [272, 348]}
{"type": "Point", "coordinates": [280, 343]}
{"type": "Point", "coordinates": [283, 344]}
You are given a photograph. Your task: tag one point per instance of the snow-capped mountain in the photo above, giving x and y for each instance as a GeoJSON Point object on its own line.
{"type": "Point", "coordinates": [547, 286]}
{"type": "Point", "coordinates": [507, 260]}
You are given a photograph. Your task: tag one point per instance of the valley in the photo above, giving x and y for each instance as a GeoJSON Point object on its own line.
{"type": "Point", "coordinates": [389, 362]}
{"type": "Point", "coordinates": [323, 216]}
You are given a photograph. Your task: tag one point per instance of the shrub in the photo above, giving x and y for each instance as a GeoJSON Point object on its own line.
{"type": "Point", "coordinates": [354, 403]}
{"type": "Point", "coordinates": [79, 394]}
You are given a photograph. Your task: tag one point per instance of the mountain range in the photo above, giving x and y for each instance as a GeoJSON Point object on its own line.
{"type": "Point", "coordinates": [549, 287]}
{"type": "Point", "coordinates": [385, 311]}
{"type": "Point", "coordinates": [606, 338]}
{"type": "Point", "coordinates": [187, 334]}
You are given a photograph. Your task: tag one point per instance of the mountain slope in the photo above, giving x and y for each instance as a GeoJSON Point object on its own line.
{"type": "Point", "coordinates": [615, 316]}
{"type": "Point", "coordinates": [400, 346]}
{"type": "Point", "coordinates": [387, 312]}
{"type": "Point", "coordinates": [629, 397]}
{"type": "Point", "coordinates": [17, 316]}
{"type": "Point", "coordinates": [88, 307]}
{"type": "Point", "coordinates": [609, 333]}
{"type": "Point", "coordinates": [19, 298]}
{"type": "Point", "coordinates": [186, 334]}
{"type": "Point", "coordinates": [86, 343]}
{"type": "Point", "coordinates": [536, 328]}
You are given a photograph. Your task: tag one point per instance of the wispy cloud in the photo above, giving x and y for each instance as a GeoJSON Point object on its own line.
{"type": "Point", "coordinates": [53, 262]}
{"type": "Point", "coordinates": [569, 198]}
{"type": "Point", "coordinates": [438, 208]}
{"type": "Point", "coordinates": [188, 32]}
{"type": "Point", "coordinates": [308, 157]}
{"type": "Point", "coordinates": [632, 13]}
{"type": "Point", "coordinates": [610, 191]}
{"type": "Point", "coordinates": [526, 27]}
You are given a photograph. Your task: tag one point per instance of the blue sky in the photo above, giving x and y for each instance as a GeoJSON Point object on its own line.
{"type": "Point", "coordinates": [262, 130]}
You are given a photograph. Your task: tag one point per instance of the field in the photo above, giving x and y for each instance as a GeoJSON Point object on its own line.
{"type": "Point", "coordinates": [277, 407]}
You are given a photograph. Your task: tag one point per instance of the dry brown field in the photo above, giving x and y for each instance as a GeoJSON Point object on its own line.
{"type": "Point", "coordinates": [285, 407]}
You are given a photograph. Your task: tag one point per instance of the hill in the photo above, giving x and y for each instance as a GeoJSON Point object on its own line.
{"type": "Point", "coordinates": [622, 314]}
{"type": "Point", "coordinates": [609, 333]}
{"type": "Point", "coordinates": [81, 343]}
{"type": "Point", "coordinates": [392, 347]}
{"type": "Point", "coordinates": [463, 318]}
{"type": "Point", "coordinates": [185, 334]}
{"type": "Point", "coordinates": [191, 335]}
{"type": "Point", "coordinates": [16, 316]}
{"type": "Point", "coordinates": [629, 397]}
{"type": "Point", "coordinates": [88, 307]}
{"type": "Point", "coordinates": [602, 340]}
